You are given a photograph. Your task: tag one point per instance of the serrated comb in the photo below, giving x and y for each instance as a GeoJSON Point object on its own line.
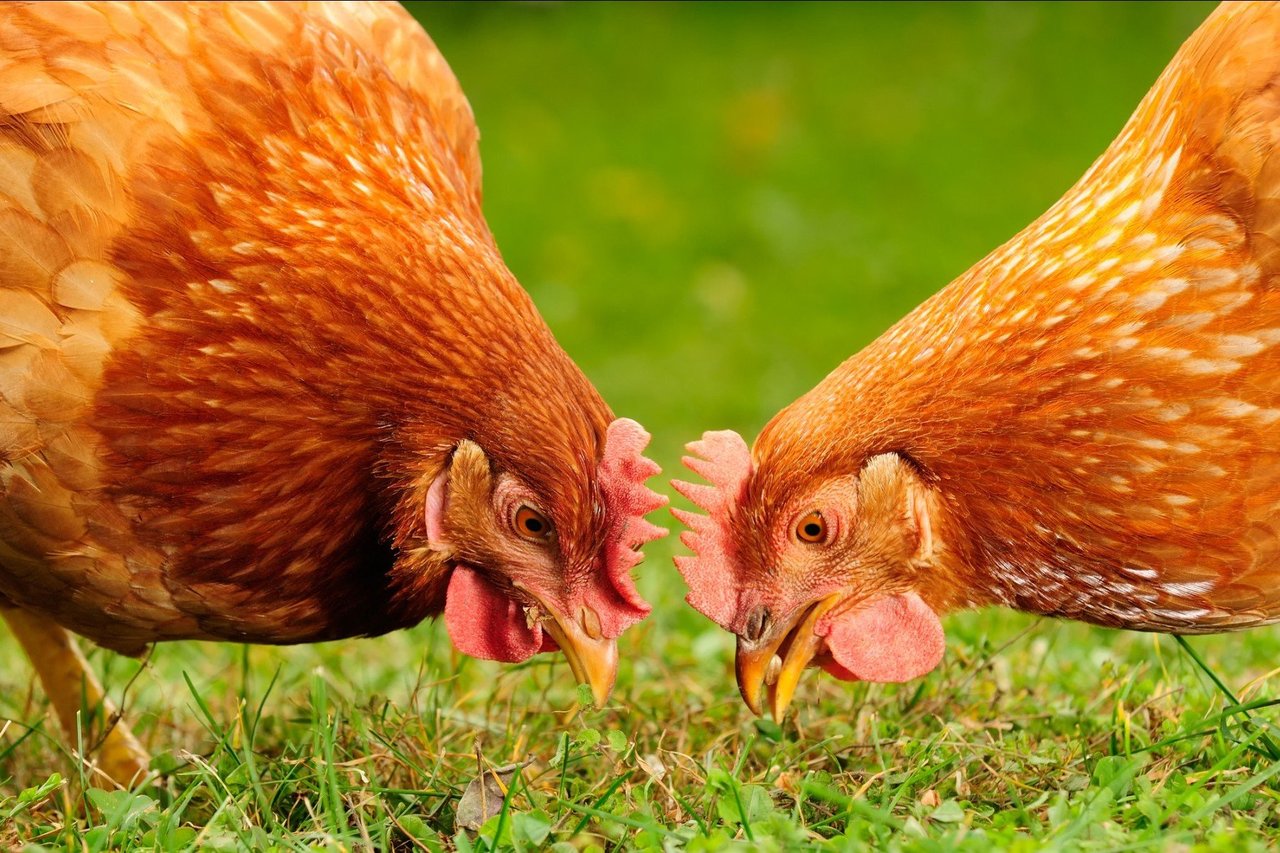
{"type": "Point", "coordinates": [622, 474]}
{"type": "Point", "coordinates": [723, 459]}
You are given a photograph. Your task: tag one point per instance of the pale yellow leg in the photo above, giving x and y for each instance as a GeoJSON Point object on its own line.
{"type": "Point", "coordinates": [77, 697]}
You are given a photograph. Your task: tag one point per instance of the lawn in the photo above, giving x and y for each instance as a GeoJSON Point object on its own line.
{"type": "Point", "coordinates": [713, 205]}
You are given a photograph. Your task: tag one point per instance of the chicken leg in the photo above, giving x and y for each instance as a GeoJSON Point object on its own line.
{"type": "Point", "coordinates": [77, 697]}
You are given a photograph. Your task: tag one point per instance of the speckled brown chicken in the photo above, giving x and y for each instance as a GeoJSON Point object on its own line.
{"type": "Point", "coordinates": [1086, 424]}
{"type": "Point", "coordinates": [264, 376]}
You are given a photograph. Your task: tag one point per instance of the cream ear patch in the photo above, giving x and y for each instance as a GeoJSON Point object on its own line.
{"type": "Point", "coordinates": [461, 489]}
{"type": "Point", "coordinates": [918, 507]}
{"type": "Point", "coordinates": [891, 639]}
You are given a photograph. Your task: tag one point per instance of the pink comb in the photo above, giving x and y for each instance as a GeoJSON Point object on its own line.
{"type": "Point", "coordinates": [623, 470]}
{"type": "Point", "coordinates": [722, 459]}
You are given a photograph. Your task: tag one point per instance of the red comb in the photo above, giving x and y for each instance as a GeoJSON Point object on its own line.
{"type": "Point", "coordinates": [623, 470]}
{"type": "Point", "coordinates": [723, 459]}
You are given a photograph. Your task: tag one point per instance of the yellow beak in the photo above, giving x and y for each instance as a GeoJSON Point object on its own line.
{"type": "Point", "coordinates": [778, 658]}
{"type": "Point", "coordinates": [592, 656]}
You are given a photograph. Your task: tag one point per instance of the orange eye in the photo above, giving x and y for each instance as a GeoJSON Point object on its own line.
{"type": "Point", "coordinates": [811, 528]}
{"type": "Point", "coordinates": [532, 524]}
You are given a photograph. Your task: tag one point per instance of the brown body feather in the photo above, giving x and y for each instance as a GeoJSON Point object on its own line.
{"type": "Point", "coordinates": [249, 304]}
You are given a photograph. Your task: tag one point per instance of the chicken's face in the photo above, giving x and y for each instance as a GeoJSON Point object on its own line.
{"type": "Point", "coordinates": [833, 571]}
{"type": "Point", "coordinates": [529, 577]}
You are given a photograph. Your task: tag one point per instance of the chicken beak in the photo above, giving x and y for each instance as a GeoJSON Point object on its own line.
{"type": "Point", "coordinates": [779, 658]}
{"type": "Point", "coordinates": [592, 656]}
{"type": "Point", "coordinates": [752, 665]}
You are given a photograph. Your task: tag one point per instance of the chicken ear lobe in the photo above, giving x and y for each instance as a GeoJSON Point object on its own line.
{"type": "Point", "coordinates": [892, 639]}
{"type": "Point", "coordinates": [436, 496]}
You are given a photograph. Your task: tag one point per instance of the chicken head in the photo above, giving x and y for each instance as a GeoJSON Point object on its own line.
{"type": "Point", "coordinates": [835, 574]}
{"type": "Point", "coordinates": [515, 589]}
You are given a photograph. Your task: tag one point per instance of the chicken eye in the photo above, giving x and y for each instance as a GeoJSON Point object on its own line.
{"type": "Point", "coordinates": [811, 528]}
{"type": "Point", "coordinates": [532, 524]}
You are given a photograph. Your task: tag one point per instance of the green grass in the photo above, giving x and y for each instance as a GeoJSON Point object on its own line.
{"type": "Point", "coordinates": [713, 205]}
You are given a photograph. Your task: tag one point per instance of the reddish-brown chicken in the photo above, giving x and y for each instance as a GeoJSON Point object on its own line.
{"type": "Point", "coordinates": [1086, 424]}
{"type": "Point", "coordinates": [263, 374]}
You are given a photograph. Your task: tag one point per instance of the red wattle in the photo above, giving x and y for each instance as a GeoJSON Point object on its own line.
{"type": "Point", "coordinates": [891, 639]}
{"type": "Point", "coordinates": [485, 623]}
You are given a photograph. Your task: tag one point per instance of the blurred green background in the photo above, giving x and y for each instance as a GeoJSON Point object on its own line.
{"type": "Point", "coordinates": [714, 204]}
